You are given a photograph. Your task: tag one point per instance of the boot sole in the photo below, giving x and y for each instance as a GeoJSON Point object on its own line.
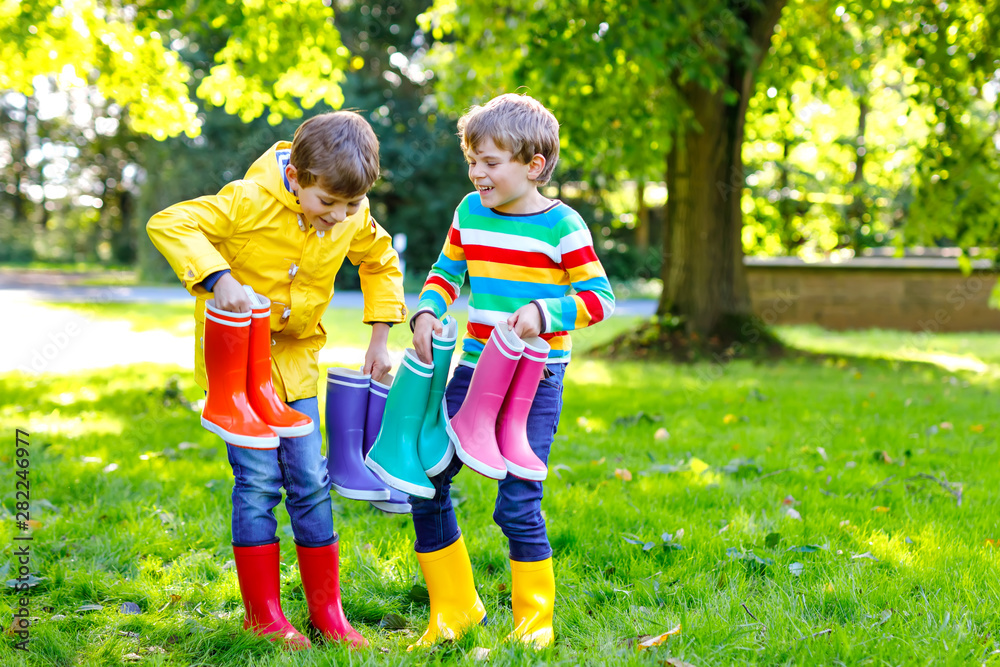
{"type": "Point", "coordinates": [400, 484]}
{"type": "Point", "coordinates": [526, 473]}
{"type": "Point", "coordinates": [473, 463]}
{"type": "Point", "coordinates": [393, 508]}
{"type": "Point", "coordinates": [293, 431]}
{"type": "Point", "coordinates": [244, 441]}
{"type": "Point", "coordinates": [439, 467]}
{"type": "Point", "coordinates": [357, 494]}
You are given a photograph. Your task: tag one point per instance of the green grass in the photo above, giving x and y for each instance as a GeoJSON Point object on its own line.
{"type": "Point", "coordinates": [132, 500]}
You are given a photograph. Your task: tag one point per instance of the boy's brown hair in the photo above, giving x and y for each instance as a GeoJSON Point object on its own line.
{"type": "Point", "coordinates": [516, 123]}
{"type": "Point", "coordinates": [337, 151]}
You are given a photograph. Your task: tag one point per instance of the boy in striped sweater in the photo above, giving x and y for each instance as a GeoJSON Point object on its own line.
{"type": "Point", "coordinates": [532, 269]}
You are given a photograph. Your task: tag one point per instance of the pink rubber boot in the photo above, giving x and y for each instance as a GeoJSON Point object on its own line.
{"type": "Point", "coordinates": [473, 428]}
{"type": "Point", "coordinates": [512, 426]}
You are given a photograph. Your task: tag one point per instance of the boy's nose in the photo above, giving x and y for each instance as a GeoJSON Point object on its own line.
{"type": "Point", "coordinates": [338, 213]}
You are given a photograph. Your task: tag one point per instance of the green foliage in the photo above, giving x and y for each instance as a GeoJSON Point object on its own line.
{"type": "Point", "coordinates": [97, 42]}
{"type": "Point", "coordinates": [610, 71]}
{"type": "Point", "coordinates": [272, 57]}
{"type": "Point", "coordinates": [874, 122]}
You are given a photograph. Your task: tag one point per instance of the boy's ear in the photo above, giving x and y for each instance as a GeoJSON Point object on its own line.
{"type": "Point", "coordinates": [535, 167]}
{"type": "Point", "coordinates": [292, 174]}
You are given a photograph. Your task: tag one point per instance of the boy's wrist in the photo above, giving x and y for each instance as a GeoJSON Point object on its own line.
{"type": "Point", "coordinates": [416, 316]}
{"type": "Point", "coordinates": [380, 333]}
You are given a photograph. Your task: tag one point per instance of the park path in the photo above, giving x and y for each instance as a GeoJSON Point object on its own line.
{"type": "Point", "coordinates": [41, 338]}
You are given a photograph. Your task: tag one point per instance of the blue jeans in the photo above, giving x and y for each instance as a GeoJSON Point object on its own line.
{"type": "Point", "coordinates": [298, 465]}
{"type": "Point", "coordinates": [519, 502]}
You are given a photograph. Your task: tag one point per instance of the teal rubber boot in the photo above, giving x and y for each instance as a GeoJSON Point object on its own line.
{"type": "Point", "coordinates": [434, 446]}
{"type": "Point", "coordinates": [393, 457]}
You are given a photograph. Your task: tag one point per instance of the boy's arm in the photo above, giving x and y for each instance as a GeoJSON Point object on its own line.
{"type": "Point", "coordinates": [378, 267]}
{"type": "Point", "coordinates": [184, 233]}
{"type": "Point", "coordinates": [594, 301]}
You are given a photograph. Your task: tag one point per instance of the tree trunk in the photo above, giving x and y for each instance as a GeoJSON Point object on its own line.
{"type": "Point", "coordinates": [642, 217]}
{"type": "Point", "coordinates": [703, 275]}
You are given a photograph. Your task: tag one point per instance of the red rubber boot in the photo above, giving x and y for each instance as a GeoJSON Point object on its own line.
{"type": "Point", "coordinates": [320, 570]}
{"type": "Point", "coordinates": [260, 586]}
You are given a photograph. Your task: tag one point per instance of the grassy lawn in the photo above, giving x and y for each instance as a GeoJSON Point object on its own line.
{"type": "Point", "coordinates": [845, 511]}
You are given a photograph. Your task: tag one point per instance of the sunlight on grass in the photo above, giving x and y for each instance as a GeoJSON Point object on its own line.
{"type": "Point", "coordinates": [976, 352]}
{"type": "Point", "coordinates": [592, 373]}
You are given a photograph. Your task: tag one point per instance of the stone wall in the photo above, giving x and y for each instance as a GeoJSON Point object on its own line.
{"type": "Point", "coordinates": [914, 294]}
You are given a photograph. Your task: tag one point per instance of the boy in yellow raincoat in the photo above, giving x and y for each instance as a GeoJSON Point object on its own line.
{"type": "Point", "coordinates": [284, 230]}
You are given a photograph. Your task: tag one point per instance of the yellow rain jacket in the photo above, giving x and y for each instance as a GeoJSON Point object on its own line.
{"type": "Point", "coordinates": [254, 228]}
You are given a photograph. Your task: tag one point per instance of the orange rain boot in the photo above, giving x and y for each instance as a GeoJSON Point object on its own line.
{"type": "Point", "coordinates": [227, 411]}
{"type": "Point", "coordinates": [283, 420]}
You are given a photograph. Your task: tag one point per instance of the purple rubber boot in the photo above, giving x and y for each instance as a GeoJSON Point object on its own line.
{"type": "Point", "coordinates": [399, 502]}
{"type": "Point", "coordinates": [346, 409]}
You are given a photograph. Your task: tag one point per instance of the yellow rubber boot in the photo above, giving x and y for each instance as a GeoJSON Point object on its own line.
{"type": "Point", "coordinates": [533, 596]}
{"type": "Point", "coordinates": [455, 604]}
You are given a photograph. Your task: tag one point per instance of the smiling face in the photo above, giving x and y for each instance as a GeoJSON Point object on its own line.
{"type": "Point", "coordinates": [504, 184]}
{"type": "Point", "coordinates": [320, 208]}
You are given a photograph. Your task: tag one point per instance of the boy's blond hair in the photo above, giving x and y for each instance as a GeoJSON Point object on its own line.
{"type": "Point", "coordinates": [337, 151]}
{"type": "Point", "coordinates": [516, 123]}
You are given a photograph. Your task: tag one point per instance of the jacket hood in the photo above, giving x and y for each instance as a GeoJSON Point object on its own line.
{"type": "Point", "coordinates": [269, 172]}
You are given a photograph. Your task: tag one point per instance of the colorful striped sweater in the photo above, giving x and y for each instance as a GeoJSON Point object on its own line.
{"type": "Point", "coordinates": [511, 260]}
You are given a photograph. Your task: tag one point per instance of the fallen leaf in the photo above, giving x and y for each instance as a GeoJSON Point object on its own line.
{"type": "Point", "coordinates": [479, 653]}
{"type": "Point", "coordinates": [649, 642]}
{"type": "Point", "coordinates": [393, 622]}
{"type": "Point", "coordinates": [885, 616]}
{"type": "Point", "coordinates": [788, 500]}
{"type": "Point", "coordinates": [880, 508]}
{"type": "Point", "coordinates": [990, 542]}
{"type": "Point", "coordinates": [90, 607]}
{"type": "Point", "coordinates": [772, 540]}
{"type": "Point", "coordinates": [805, 549]}
{"type": "Point", "coordinates": [599, 461]}
{"type": "Point", "coordinates": [675, 662]}
{"type": "Point", "coordinates": [34, 525]}
{"type": "Point", "coordinates": [729, 419]}
{"type": "Point", "coordinates": [30, 581]}
{"type": "Point", "coordinates": [131, 657]}
{"type": "Point", "coordinates": [623, 474]}
{"type": "Point", "coordinates": [129, 608]}
{"type": "Point", "coordinates": [723, 529]}
{"type": "Point", "coordinates": [976, 428]}
{"type": "Point", "coordinates": [697, 466]}
{"type": "Point", "coordinates": [796, 568]}
{"type": "Point", "coordinates": [661, 434]}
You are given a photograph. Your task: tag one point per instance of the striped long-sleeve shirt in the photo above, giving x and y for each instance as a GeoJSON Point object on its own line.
{"type": "Point", "coordinates": [511, 260]}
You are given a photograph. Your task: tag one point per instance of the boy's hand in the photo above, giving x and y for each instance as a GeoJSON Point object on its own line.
{"type": "Point", "coordinates": [230, 296]}
{"type": "Point", "coordinates": [378, 363]}
{"type": "Point", "coordinates": [526, 321]}
{"type": "Point", "coordinates": [423, 327]}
